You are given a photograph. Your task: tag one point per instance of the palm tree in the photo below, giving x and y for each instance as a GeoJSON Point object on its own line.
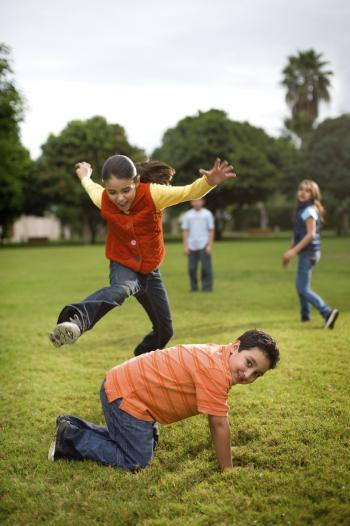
{"type": "Point", "coordinates": [307, 85]}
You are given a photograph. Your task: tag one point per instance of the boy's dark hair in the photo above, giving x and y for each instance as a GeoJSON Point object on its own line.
{"type": "Point", "coordinates": [122, 167]}
{"type": "Point", "coordinates": [262, 340]}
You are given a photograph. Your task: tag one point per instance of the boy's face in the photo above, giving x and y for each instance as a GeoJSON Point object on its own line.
{"type": "Point", "coordinates": [246, 366]}
{"type": "Point", "coordinates": [197, 204]}
{"type": "Point", "coordinates": [122, 191]}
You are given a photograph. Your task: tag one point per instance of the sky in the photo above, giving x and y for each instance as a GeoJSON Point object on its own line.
{"type": "Point", "coordinates": [147, 64]}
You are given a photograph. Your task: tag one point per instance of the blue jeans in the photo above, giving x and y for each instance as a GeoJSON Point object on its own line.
{"type": "Point", "coordinates": [124, 282]}
{"type": "Point", "coordinates": [306, 260]}
{"type": "Point", "coordinates": [126, 442]}
{"type": "Point", "coordinates": [194, 258]}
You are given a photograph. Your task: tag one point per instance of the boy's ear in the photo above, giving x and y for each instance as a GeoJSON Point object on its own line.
{"type": "Point", "coordinates": [137, 180]}
{"type": "Point", "coordinates": [236, 345]}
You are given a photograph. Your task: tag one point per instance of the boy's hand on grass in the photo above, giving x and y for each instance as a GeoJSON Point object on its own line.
{"type": "Point", "coordinates": [83, 169]}
{"type": "Point", "coordinates": [220, 172]}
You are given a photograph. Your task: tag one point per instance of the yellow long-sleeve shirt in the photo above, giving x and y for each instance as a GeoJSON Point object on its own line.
{"type": "Point", "coordinates": [162, 195]}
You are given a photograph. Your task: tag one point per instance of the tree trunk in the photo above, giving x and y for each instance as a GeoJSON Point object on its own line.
{"type": "Point", "coordinates": [92, 231]}
{"type": "Point", "coordinates": [343, 225]}
{"type": "Point", "coordinates": [264, 218]}
{"type": "Point", "coordinates": [220, 222]}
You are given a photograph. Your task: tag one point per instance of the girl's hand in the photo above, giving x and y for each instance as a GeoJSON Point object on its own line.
{"type": "Point", "coordinates": [83, 169]}
{"type": "Point", "coordinates": [220, 172]}
{"type": "Point", "coordinates": [287, 256]}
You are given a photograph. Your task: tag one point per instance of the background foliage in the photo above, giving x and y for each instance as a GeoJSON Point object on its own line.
{"type": "Point", "coordinates": [15, 162]}
{"type": "Point", "coordinates": [269, 168]}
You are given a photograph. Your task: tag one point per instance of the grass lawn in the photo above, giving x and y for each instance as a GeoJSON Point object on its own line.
{"type": "Point", "coordinates": [290, 430]}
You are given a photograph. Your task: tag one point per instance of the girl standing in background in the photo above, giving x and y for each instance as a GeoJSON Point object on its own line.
{"type": "Point", "coordinates": [306, 244]}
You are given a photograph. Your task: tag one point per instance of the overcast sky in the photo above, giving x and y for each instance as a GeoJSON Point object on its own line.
{"type": "Point", "coordinates": [146, 64]}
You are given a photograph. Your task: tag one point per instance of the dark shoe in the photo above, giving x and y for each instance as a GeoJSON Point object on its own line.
{"type": "Point", "coordinates": [63, 418]}
{"type": "Point", "coordinates": [332, 318]}
{"type": "Point", "coordinates": [156, 434]}
{"type": "Point", "coordinates": [303, 320]}
{"type": "Point", "coordinates": [56, 450]}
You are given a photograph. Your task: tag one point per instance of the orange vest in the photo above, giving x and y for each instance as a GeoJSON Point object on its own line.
{"type": "Point", "coordinates": [134, 240]}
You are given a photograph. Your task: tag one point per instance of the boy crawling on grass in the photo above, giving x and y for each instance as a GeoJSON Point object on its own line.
{"type": "Point", "coordinates": [165, 386]}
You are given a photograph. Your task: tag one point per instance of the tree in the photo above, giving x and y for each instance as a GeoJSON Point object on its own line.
{"type": "Point", "coordinates": [93, 141]}
{"type": "Point", "coordinates": [326, 159]}
{"type": "Point", "coordinates": [196, 141]}
{"type": "Point", "coordinates": [15, 162]}
{"type": "Point", "coordinates": [307, 84]}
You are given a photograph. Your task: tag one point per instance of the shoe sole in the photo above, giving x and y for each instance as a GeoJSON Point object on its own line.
{"type": "Point", "coordinates": [62, 335]}
{"type": "Point", "coordinates": [332, 319]}
{"type": "Point", "coordinates": [54, 341]}
{"type": "Point", "coordinates": [51, 454]}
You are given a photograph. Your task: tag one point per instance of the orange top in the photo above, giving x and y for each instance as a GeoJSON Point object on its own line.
{"type": "Point", "coordinates": [134, 240]}
{"type": "Point", "coordinates": [172, 384]}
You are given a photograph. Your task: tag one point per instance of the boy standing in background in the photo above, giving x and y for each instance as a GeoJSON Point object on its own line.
{"type": "Point", "coordinates": [198, 239]}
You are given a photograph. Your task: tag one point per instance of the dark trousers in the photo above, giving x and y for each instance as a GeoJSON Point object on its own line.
{"type": "Point", "coordinates": [149, 291]}
{"type": "Point", "coordinates": [126, 442]}
{"type": "Point", "coordinates": [196, 257]}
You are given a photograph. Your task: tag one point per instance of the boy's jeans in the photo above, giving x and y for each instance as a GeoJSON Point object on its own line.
{"type": "Point", "coordinates": [306, 260]}
{"type": "Point", "coordinates": [124, 282]}
{"type": "Point", "coordinates": [194, 257]}
{"type": "Point", "coordinates": [126, 442]}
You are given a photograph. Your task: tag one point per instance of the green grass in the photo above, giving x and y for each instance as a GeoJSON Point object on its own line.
{"type": "Point", "coordinates": [290, 430]}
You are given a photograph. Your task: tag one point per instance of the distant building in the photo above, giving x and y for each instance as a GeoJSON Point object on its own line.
{"type": "Point", "coordinates": [38, 229]}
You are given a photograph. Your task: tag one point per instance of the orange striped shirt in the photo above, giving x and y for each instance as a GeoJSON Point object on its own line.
{"type": "Point", "coordinates": [172, 384]}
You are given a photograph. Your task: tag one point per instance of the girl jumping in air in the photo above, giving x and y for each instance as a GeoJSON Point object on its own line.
{"type": "Point", "coordinates": [131, 202]}
{"type": "Point", "coordinates": [306, 244]}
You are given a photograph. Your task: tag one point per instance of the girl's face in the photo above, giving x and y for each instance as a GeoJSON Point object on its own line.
{"type": "Point", "coordinates": [304, 193]}
{"type": "Point", "coordinates": [122, 191]}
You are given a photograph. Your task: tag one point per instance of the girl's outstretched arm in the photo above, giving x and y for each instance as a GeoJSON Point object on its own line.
{"type": "Point", "coordinates": [94, 190]}
{"type": "Point", "coordinates": [164, 196]}
{"type": "Point", "coordinates": [219, 173]}
{"type": "Point", "coordinates": [83, 170]}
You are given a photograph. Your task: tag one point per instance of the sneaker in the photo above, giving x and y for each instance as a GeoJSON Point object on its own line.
{"type": "Point", "coordinates": [55, 450]}
{"type": "Point", "coordinates": [64, 418]}
{"type": "Point", "coordinates": [63, 333]}
{"type": "Point", "coordinates": [332, 318]}
{"type": "Point", "coordinates": [156, 434]}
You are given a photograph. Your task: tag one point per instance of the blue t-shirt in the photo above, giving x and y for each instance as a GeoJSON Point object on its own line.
{"type": "Point", "coordinates": [198, 223]}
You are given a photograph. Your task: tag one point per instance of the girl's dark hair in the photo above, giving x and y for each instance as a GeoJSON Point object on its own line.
{"type": "Point", "coordinates": [118, 166]}
{"type": "Point", "coordinates": [122, 167]}
{"type": "Point", "coordinates": [155, 172]}
{"type": "Point", "coordinates": [264, 342]}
